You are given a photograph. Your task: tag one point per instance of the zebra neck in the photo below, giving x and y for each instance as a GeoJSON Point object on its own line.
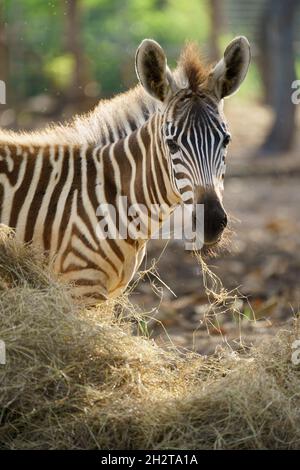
{"type": "Point", "coordinates": [137, 169]}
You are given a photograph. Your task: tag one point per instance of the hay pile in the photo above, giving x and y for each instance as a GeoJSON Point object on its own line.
{"type": "Point", "coordinates": [79, 379]}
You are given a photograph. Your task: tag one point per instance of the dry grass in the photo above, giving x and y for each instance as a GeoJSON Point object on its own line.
{"type": "Point", "coordinates": [80, 379]}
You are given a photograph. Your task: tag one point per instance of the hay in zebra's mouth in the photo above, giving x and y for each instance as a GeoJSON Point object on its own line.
{"type": "Point", "coordinates": [222, 245]}
{"type": "Point", "coordinates": [78, 379]}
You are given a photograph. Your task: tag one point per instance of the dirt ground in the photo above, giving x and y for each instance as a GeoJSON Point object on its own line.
{"type": "Point", "coordinates": [263, 260]}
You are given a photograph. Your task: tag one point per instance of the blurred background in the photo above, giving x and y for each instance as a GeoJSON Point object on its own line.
{"type": "Point", "coordinates": [59, 57]}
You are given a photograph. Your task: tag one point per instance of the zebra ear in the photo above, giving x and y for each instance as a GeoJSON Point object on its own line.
{"type": "Point", "coordinates": [229, 73]}
{"type": "Point", "coordinates": [152, 70]}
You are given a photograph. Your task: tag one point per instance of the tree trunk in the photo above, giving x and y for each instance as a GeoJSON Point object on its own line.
{"type": "Point", "coordinates": [263, 58]}
{"type": "Point", "coordinates": [74, 47]}
{"type": "Point", "coordinates": [278, 55]}
{"type": "Point", "coordinates": [216, 27]}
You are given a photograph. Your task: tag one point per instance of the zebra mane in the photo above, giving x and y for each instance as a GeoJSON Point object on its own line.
{"type": "Point", "coordinates": [192, 65]}
{"type": "Point", "coordinates": [109, 121]}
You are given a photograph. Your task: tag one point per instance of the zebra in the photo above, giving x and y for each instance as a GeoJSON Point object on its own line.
{"type": "Point", "coordinates": [50, 192]}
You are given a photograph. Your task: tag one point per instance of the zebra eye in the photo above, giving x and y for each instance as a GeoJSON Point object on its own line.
{"type": "Point", "coordinates": [226, 140]}
{"type": "Point", "coordinates": [173, 147]}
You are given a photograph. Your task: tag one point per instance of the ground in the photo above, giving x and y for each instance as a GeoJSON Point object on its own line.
{"type": "Point", "coordinates": [262, 260]}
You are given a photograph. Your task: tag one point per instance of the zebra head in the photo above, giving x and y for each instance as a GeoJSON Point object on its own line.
{"type": "Point", "coordinates": [193, 132]}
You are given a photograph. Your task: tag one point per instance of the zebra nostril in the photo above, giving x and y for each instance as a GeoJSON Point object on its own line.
{"type": "Point", "coordinates": [215, 217]}
{"type": "Point", "coordinates": [224, 221]}
{"type": "Point", "coordinates": [215, 220]}
{"type": "Point", "coordinates": [219, 219]}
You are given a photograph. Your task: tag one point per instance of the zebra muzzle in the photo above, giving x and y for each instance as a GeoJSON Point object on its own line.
{"type": "Point", "coordinates": [215, 217]}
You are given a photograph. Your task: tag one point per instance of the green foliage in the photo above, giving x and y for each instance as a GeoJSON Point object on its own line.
{"type": "Point", "coordinates": [35, 32]}
{"type": "Point", "coordinates": [60, 70]}
{"type": "Point", "coordinates": [116, 28]}
{"type": "Point", "coordinates": [110, 33]}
